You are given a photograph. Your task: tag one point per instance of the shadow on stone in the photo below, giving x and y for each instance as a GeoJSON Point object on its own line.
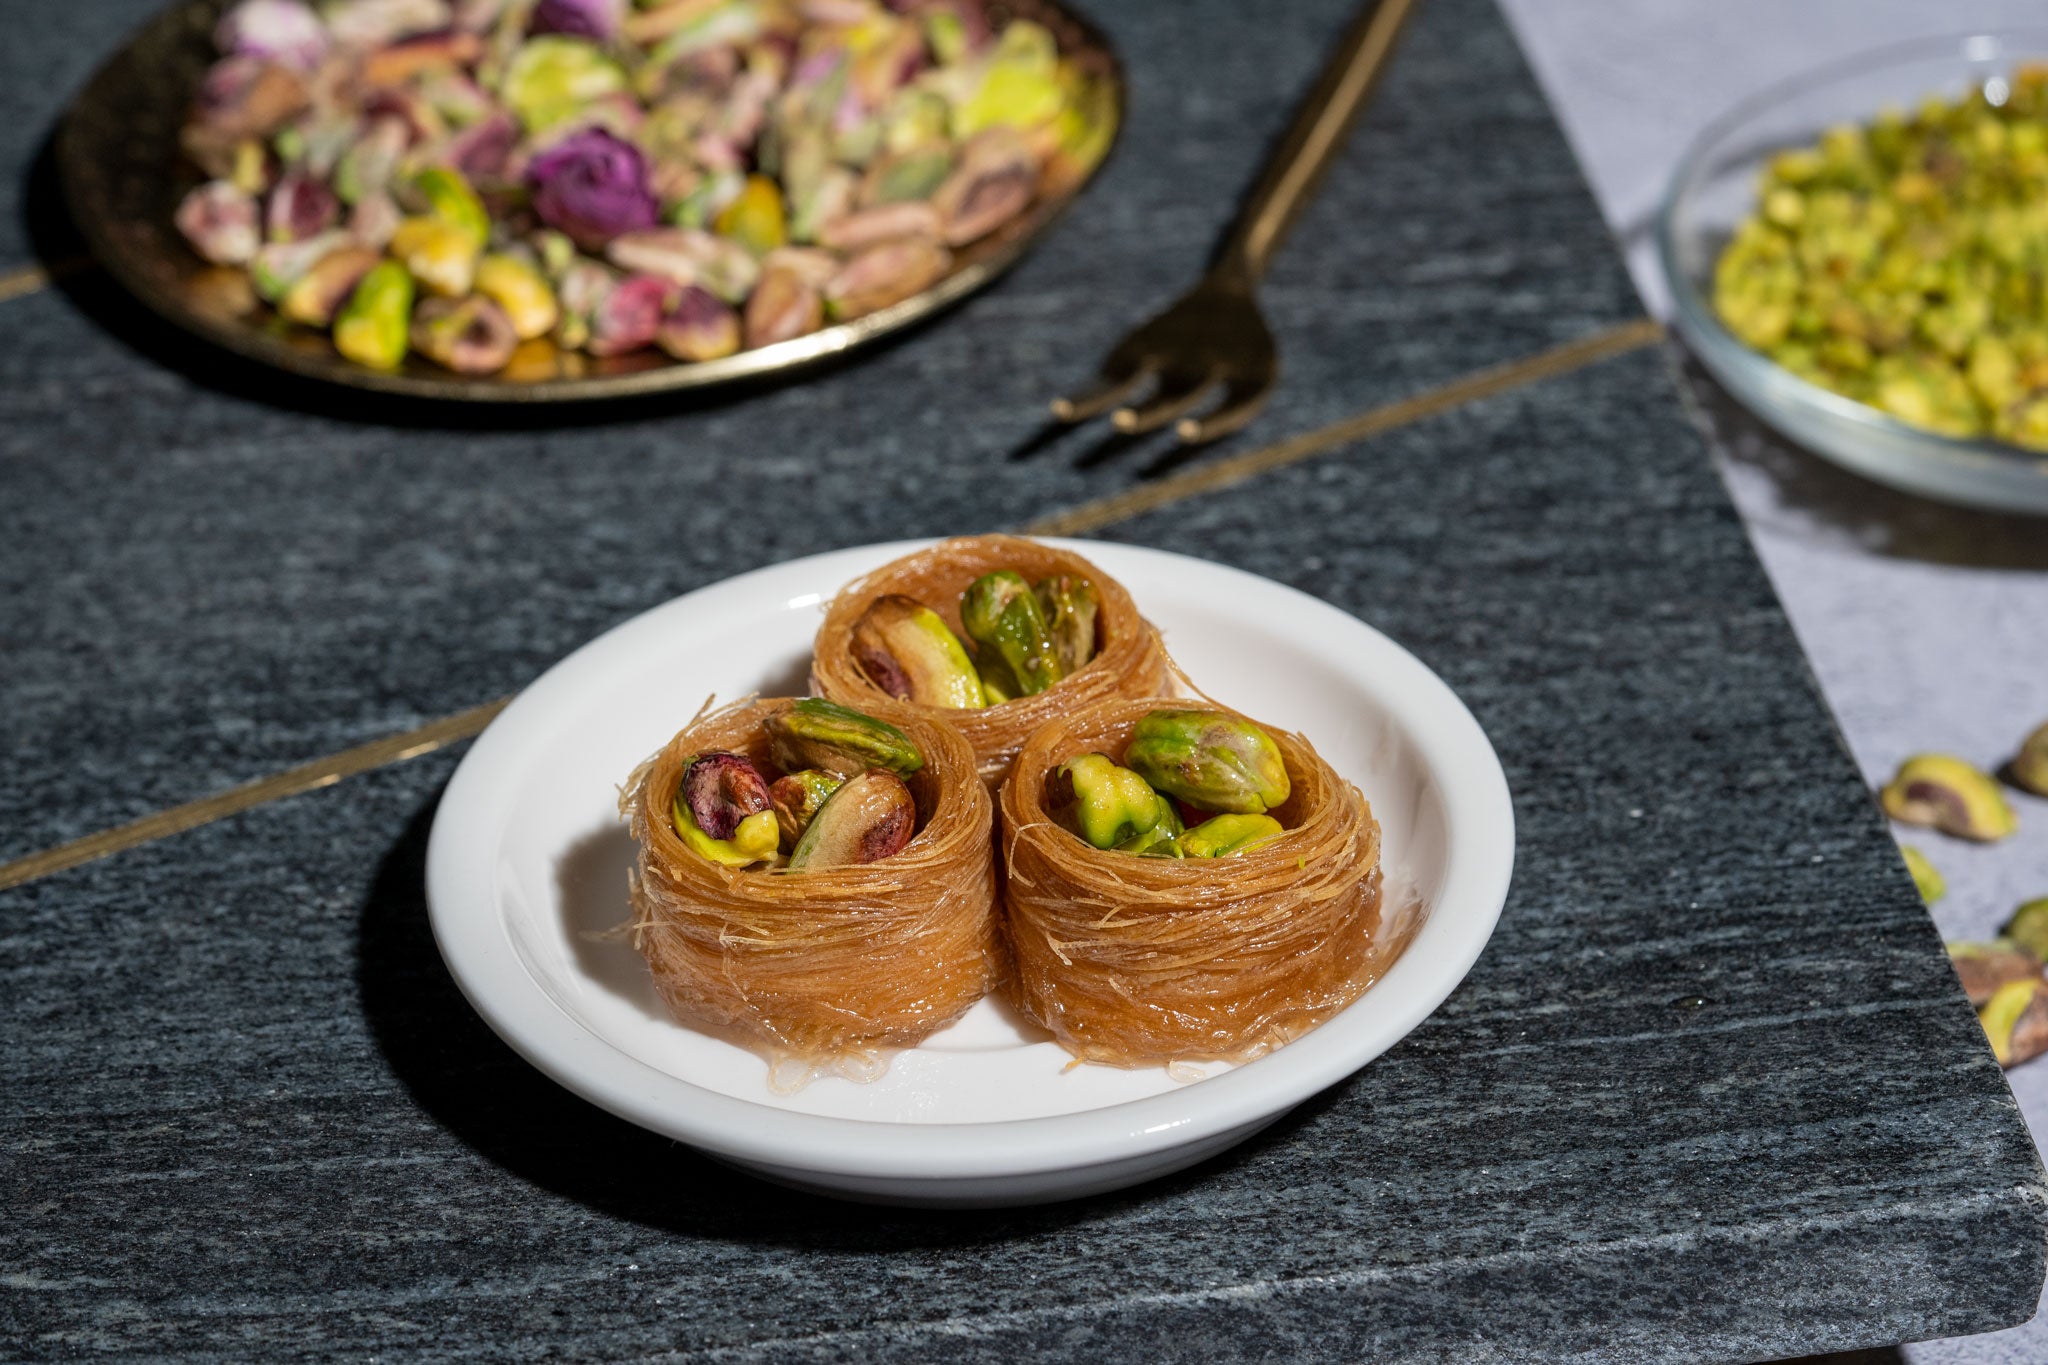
{"type": "Point", "coordinates": [591, 878]}
{"type": "Point", "coordinates": [482, 1092]}
{"type": "Point", "coordinates": [1818, 501]}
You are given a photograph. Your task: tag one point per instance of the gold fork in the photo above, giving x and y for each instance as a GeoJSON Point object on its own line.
{"type": "Point", "coordinates": [1214, 334]}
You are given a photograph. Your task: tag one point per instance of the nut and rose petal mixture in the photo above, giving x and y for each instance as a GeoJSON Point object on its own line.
{"type": "Point", "coordinates": [499, 184]}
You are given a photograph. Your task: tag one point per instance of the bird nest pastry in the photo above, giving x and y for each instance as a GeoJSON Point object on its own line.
{"type": "Point", "coordinates": [1138, 960]}
{"type": "Point", "coordinates": [828, 966]}
{"type": "Point", "coordinates": [1125, 656]}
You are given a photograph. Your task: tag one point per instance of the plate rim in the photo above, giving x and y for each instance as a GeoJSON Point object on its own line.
{"type": "Point", "coordinates": [1479, 860]}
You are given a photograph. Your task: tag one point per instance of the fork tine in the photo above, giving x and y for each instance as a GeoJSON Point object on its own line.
{"type": "Point", "coordinates": [1242, 400]}
{"type": "Point", "coordinates": [1165, 405]}
{"type": "Point", "coordinates": [1100, 396]}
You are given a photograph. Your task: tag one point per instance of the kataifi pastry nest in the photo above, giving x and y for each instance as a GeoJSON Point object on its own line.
{"type": "Point", "coordinates": [1130, 659]}
{"type": "Point", "coordinates": [1140, 961]}
{"type": "Point", "coordinates": [823, 967]}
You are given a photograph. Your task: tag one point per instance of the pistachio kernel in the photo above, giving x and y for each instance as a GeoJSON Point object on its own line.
{"type": "Point", "coordinates": [2029, 767]}
{"type": "Point", "coordinates": [722, 789]}
{"type": "Point", "coordinates": [1926, 878]}
{"type": "Point", "coordinates": [1221, 836]}
{"type": "Point", "coordinates": [797, 798]}
{"type": "Point", "coordinates": [2029, 927]}
{"type": "Point", "coordinates": [907, 650]}
{"type": "Point", "coordinates": [814, 733]}
{"type": "Point", "coordinates": [871, 816]}
{"type": "Point", "coordinates": [1984, 967]}
{"type": "Point", "coordinates": [1945, 793]}
{"type": "Point", "coordinates": [2015, 1019]}
{"type": "Point", "coordinates": [1107, 805]}
{"type": "Point", "coordinates": [1212, 761]}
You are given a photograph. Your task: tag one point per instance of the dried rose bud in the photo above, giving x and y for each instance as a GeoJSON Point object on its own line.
{"type": "Point", "coordinates": [219, 220]}
{"type": "Point", "coordinates": [630, 315]}
{"type": "Point", "coordinates": [699, 327]}
{"type": "Point", "coordinates": [468, 336]}
{"type": "Point", "coordinates": [597, 19]}
{"type": "Point", "coordinates": [593, 186]}
{"type": "Point", "coordinates": [722, 789]}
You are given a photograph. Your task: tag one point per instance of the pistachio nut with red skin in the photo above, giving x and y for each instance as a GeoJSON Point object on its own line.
{"type": "Point", "coordinates": [700, 326]}
{"type": "Point", "coordinates": [468, 336]}
{"type": "Point", "coordinates": [871, 816]}
{"type": "Point", "coordinates": [1984, 967]}
{"type": "Point", "coordinates": [908, 651]}
{"type": "Point", "coordinates": [721, 789]}
{"type": "Point", "coordinates": [1949, 794]}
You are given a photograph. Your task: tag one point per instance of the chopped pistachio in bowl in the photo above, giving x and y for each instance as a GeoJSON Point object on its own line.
{"type": "Point", "coordinates": [1856, 255]}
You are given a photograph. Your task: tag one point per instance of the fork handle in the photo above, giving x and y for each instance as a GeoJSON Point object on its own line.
{"type": "Point", "coordinates": [1313, 139]}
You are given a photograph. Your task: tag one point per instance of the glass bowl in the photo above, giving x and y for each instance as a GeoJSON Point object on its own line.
{"type": "Point", "coordinates": [1715, 188]}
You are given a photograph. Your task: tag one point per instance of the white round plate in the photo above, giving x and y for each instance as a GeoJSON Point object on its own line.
{"type": "Point", "coordinates": [526, 871]}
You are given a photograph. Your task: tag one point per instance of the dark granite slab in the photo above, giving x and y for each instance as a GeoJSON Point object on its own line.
{"type": "Point", "coordinates": [1711, 1093]}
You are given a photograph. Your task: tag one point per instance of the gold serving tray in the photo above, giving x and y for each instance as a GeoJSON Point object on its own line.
{"type": "Point", "coordinates": [123, 175]}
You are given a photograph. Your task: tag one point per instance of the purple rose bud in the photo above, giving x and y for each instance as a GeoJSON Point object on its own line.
{"type": "Point", "coordinates": [593, 186]}
{"type": "Point", "coordinates": [281, 30]}
{"type": "Point", "coordinates": [594, 19]}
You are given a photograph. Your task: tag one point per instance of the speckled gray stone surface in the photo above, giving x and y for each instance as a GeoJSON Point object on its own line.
{"type": "Point", "coordinates": [1711, 1093]}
